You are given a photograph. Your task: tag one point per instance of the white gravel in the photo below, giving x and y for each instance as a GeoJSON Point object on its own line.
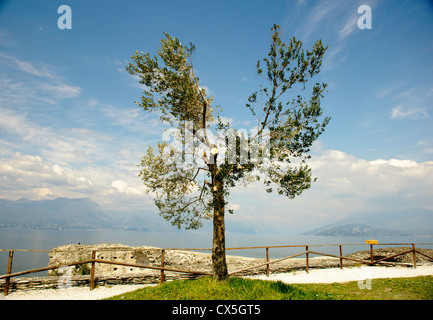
{"type": "Point", "coordinates": [347, 274]}
{"type": "Point", "coordinates": [73, 293]}
{"type": "Point", "coordinates": [314, 276]}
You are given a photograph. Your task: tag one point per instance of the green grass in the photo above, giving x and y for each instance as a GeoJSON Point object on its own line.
{"type": "Point", "coordinates": [208, 288]}
{"type": "Point", "coordinates": [416, 288]}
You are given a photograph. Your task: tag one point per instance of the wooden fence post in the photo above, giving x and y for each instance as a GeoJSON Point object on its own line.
{"type": "Point", "coordinates": [414, 255]}
{"type": "Point", "coordinates": [306, 259]}
{"type": "Point", "coordinates": [267, 260]}
{"type": "Point", "coordinates": [162, 265]}
{"type": "Point", "coordinates": [371, 254]}
{"type": "Point", "coordinates": [92, 271]}
{"type": "Point", "coordinates": [341, 257]}
{"type": "Point", "coordinates": [9, 270]}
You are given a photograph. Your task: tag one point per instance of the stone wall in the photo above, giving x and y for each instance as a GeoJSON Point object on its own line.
{"type": "Point", "coordinates": [50, 282]}
{"type": "Point", "coordinates": [174, 259]}
{"type": "Point", "coordinates": [110, 252]}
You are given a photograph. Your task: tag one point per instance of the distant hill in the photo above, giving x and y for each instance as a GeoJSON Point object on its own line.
{"type": "Point", "coordinates": [53, 214]}
{"type": "Point", "coordinates": [144, 220]}
{"type": "Point", "coordinates": [355, 229]}
{"type": "Point", "coordinates": [407, 222]}
{"type": "Point", "coordinates": [83, 213]}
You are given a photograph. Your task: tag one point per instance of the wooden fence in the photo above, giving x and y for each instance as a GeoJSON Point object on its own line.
{"type": "Point", "coordinates": [93, 261]}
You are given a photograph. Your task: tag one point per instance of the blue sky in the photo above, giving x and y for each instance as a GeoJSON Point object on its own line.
{"type": "Point", "coordinates": [69, 126]}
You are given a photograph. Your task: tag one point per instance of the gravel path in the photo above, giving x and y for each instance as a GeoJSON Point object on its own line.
{"type": "Point", "coordinates": [74, 293]}
{"type": "Point", "coordinates": [347, 274]}
{"type": "Point", "coordinates": [314, 276]}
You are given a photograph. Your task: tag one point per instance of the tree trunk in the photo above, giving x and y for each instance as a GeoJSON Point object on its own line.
{"type": "Point", "coordinates": [219, 245]}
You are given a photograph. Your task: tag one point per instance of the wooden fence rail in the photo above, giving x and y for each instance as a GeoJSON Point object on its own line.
{"type": "Point", "coordinates": [93, 261]}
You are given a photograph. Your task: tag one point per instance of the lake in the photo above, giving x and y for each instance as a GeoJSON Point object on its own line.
{"type": "Point", "coordinates": [44, 239]}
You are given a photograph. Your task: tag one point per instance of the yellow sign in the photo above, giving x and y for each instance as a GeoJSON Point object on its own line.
{"type": "Point", "coordinates": [371, 241]}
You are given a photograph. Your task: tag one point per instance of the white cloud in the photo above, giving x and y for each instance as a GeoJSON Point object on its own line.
{"type": "Point", "coordinates": [426, 145]}
{"type": "Point", "coordinates": [28, 67]}
{"type": "Point", "coordinates": [348, 28]}
{"type": "Point", "coordinates": [22, 93]}
{"type": "Point", "coordinates": [371, 179]}
{"type": "Point", "coordinates": [385, 92]}
{"type": "Point", "coordinates": [315, 19]}
{"type": "Point", "coordinates": [228, 120]}
{"type": "Point", "coordinates": [233, 206]}
{"type": "Point", "coordinates": [412, 103]}
{"type": "Point", "coordinates": [394, 163]}
{"type": "Point", "coordinates": [24, 175]}
{"type": "Point", "coordinates": [62, 90]}
{"type": "Point", "coordinates": [345, 184]}
{"type": "Point", "coordinates": [413, 113]}
{"type": "Point", "coordinates": [48, 81]}
{"type": "Point", "coordinates": [63, 145]}
{"type": "Point", "coordinates": [70, 162]}
{"type": "Point", "coordinates": [123, 187]}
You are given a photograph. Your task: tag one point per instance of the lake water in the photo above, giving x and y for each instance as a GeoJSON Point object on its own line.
{"type": "Point", "coordinates": [47, 239]}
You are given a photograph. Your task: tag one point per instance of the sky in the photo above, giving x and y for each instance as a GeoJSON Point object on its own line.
{"type": "Point", "coordinates": [69, 126]}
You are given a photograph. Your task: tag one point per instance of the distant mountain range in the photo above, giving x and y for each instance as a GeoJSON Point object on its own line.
{"type": "Point", "coordinates": [407, 222]}
{"type": "Point", "coordinates": [52, 214]}
{"type": "Point", "coordinates": [65, 213]}
{"type": "Point", "coordinates": [83, 213]}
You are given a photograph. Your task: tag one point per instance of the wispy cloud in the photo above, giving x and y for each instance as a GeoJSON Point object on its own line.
{"type": "Point", "coordinates": [62, 90]}
{"type": "Point", "coordinates": [39, 162]}
{"type": "Point", "coordinates": [315, 19]}
{"type": "Point", "coordinates": [75, 145]}
{"type": "Point", "coordinates": [385, 92]}
{"type": "Point", "coordinates": [31, 176]}
{"type": "Point", "coordinates": [123, 187]}
{"type": "Point", "coordinates": [345, 184]}
{"type": "Point", "coordinates": [413, 113]}
{"type": "Point", "coordinates": [332, 21]}
{"type": "Point", "coordinates": [28, 67]}
{"type": "Point", "coordinates": [45, 79]}
{"type": "Point", "coordinates": [348, 28]}
{"type": "Point", "coordinates": [426, 145]}
{"type": "Point", "coordinates": [411, 103]}
{"type": "Point", "coordinates": [94, 153]}
{"type": "Point", "coordinates": [334, 57]}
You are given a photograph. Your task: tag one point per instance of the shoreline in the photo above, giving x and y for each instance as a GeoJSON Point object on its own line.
{"type": "Point", "coordinates": [199, 261]}
{"type": "Point", "coordinates": [321, 275]}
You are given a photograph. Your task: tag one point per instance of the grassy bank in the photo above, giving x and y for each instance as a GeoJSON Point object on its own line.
{"type": "Point", "coordinates": [207, 288]}
{"type": "Point", "coordinates": [416, 288]}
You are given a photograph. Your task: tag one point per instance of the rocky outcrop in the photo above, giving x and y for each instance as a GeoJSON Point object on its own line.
{"type": "Point", "coordinates": [109, 252]}
{"type": "Point", "coordinates": [174, 259]}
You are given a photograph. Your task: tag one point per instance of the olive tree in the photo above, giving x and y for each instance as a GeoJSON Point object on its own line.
{"type": "Point", "coordinates": [201, 157]}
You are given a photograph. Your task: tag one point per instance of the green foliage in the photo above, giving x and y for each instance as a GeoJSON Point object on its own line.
{"type": "Point", "coordinates": [208, 288]}
{"type": "Point", "coordinates": [416, 288]}
{"type": "Point", "coordinates": [187, 191]}
{"type": "Point", "coordinates": [171, 89]}
{"type": "Point", "coordinates": [82, 269]}
{"type": "Point", "coordinates": [294, 122]}
{"type": "Point", "coordinates": [170, 184]}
